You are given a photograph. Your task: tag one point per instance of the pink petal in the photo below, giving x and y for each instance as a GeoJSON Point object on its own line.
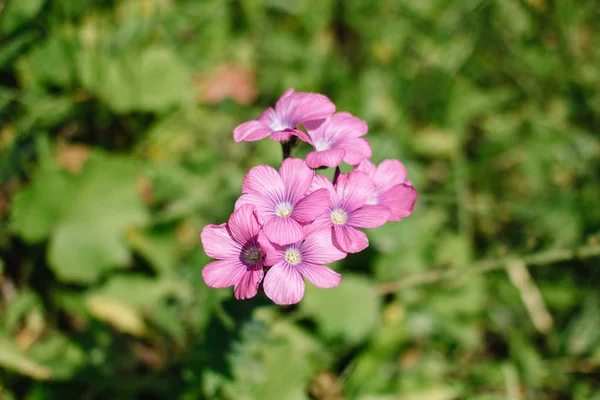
{"type": "Point", "coordinates": [367, 167]}
{"type": "Point", "coordinates": [319, 275]}
{"type": "Point", "coordinates": [357, 150]}
{"type": "Point", "coordinates": [400, 199]}
{"type": "Point", "coordinates": [264, 205]}
{"type": "Point", "coordinates": [247, 286]}
{"type": "Point", "coordinates": [321, 182]}
{"type": "Point", "coordinates": [326, 158]}
{"type": "Point", "coordinates": [311, 206]}
{"type": "Point", "coordinates": [296, 108]}
{"type": "Point", "coordinates": [243, 224]}
{"type": "Point", "coordinates": [284, 284]}
{"type": "Point", "coordinates": [223, 273]}
{"type": "Point", "coordinates": [369, 217]}
{"type": "Point", "coordinates": [350, 239]}
{"type": "Point", "coordinates": [296, 177]}
{"type": "Point", "coordinates": [264, 181]}
{"type": "Point", "coordinates": [318, 247]}
{"type": "Point", "coordinates": [218, 243]}
{"type": "Point", "coordinates": [282, 135]}
{"type": "Point", "coordinates": [354, 189]}
{"type": "Point", "coordinates": [389, 173]}
{"type": "Point", "coordinates": [282, 230]}
{"type": "Point", "coordinates": [251, 131]}
{"type": "Point", "coordinates": [302, 135]}
{"type": "Point", "coordinates": [339, 126]}
{"type": "Point", "coordinates": [273, 252]}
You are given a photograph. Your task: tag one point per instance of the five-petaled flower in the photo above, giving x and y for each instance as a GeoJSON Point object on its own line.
{"type": "Point", "coordinates": [282, 204]}
{"type": "Point", "coordinates": [347, 211]}
{"type": "Point", "coordinates": [392, 189]}
{"type": "Point", "coordinates": [240, 255]}
{"type": "Point", "coordinates": [292, 109]}
{"type": "Point", "coordinates": [284, 283]}
{"type": "Point", "coordinates": [337, 139]}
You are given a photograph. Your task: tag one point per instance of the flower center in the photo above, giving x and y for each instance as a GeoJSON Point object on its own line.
{"type": "Point", "coordinates": [339, 216]}
{"type": "Point", "coordinates": [284, 209]}
{"type": "Point", "coordinates": [321, 145]}
{"type": "Point", "coordinates": [293, 256]}
{"type": "Point", "coordinates": [251, 255]}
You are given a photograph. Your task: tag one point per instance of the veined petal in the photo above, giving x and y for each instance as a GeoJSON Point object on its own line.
{"type": "Point", "coordinates": [389, 173]}
{"type": "Point", "coordinates": [319, 275]}
{"type": "Point", "coordinates": [321, 182]}
{"type": "Point", "coordinates": [349, 238]}
{"type": "Point", "coordinates": [337, 127]}
{"type": "Point", "coordinates": [400, 199]}
{"type": "Point", "coordinates": [302, 135]}
{"type": "Point", "coordinates": [298, 107]}
{"type": "Point", "coordinates": [251, 131]}
{"type": "Point", "coordinates": [367, 167]}
{"type": "Point", "coordinates": [273, 252]}
{"type": "Point", "coordinates": [264, 181]}
{"type": "Point", "coordinates": [369, 217]}
{"type": "Point", "coordinates": [357, 150]}
{"type": "Point", "coordinates": [265, 207]}
{"type": "Point", "coordinates": [247, 286]}
{"type": "Point", "coordinates": [296, 177]}
{"type": "Point", "coordinates": [284, 284]}
{"type": "Point", "coordinates": [218, 243]}
{"type": "Point", "coordinates": [283, 135]}
{"type": "Point", "coordinates": [282, 230]}
{"type": "Point", "coordinates": [354, 190]}
{"type": "Point", "coordinates": [330, 158]}
{"type": "Point", "coordinates": [311, 206]}
{"type": "Point", "coordinates": [318, 247]}
{"type": "Point", "coordinates": [243, 224]}
{"type": "Point", "coordinates": [223, 273]}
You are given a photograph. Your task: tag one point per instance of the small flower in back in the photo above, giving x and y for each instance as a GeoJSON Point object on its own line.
{"type": "Point", "coordinates": [281, 201]}
{"type": "Point", "coordinates": [292, 109]}
{"type": "Point", "coordinates": [284, 283]}
{"type": "Point", "coordinates": [347, 210]}
{"type": "Point", "coordinates": [240, 256]}
{"type": "Point", "coordinates": [337, 139]}
{"type": "Point", "coordinates": [392, 189]}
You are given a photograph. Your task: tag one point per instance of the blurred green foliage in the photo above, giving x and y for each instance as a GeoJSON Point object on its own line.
{"type": "Point", "coordinates": [116, 148]}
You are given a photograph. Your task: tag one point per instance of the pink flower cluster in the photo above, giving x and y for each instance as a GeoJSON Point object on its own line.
{"type": "Point", "coordinates": [288, 224]}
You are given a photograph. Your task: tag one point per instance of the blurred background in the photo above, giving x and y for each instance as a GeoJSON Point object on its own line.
{"type": "Point", "coordinates": [116, 148]}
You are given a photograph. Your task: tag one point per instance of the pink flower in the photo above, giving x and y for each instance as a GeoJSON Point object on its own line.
{"type": "Point", "coordinates": [291, 110]}
{"type": "Point", "coordinates": [281, 201]}
{"type": "Point", "coordinates": [392, 189]}
{"type": "Point", "coordinates": [284, 283]}
{"type": "Point", "coordinates": [347, 210]}
{"type": "Point", "coordinates": [240, 256]}
{"type": "Point", "coordinates": [337, 139]}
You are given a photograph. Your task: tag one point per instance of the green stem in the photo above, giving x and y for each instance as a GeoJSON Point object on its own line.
{"type": "Point", "coordinates": [287, 147]}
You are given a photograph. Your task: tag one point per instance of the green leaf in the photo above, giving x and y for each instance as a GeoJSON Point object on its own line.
{"type": "Point", "coordinates": [18, 12]}
{"type": "Point", "coordinates": [354, 293]}
{"type": "Point", "coordinates": [102, 205]}
{"type": "Point", "coordinates": [36, 209]}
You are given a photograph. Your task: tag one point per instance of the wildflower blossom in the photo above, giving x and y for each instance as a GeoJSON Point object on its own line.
{"type": "Point", "coordinates": [284, 283]}
{"type": "Point", "coordinates": [392, 189]}
{"type": "Point", "coordinates": [240, 256]}
{"type": "Point", "coordinates": [292, 109]}
{"type": "Point", "coordinates": [281, 201]}
{"type": "Point", "coordinates": [347, 212]}
{"type": "Point", "coordinates": [337, 139]}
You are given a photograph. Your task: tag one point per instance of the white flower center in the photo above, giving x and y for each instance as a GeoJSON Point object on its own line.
{"type": "Point", "coordinates": [339, 216]}
{"type": "Point", "coordinates": [321, 145]}
{"type": "Point", "coordinates": [293, 256]}
{"type": "Point", "coordinates": [284, 209]}
{"type": "Point", "coordinates": [251, 255]}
